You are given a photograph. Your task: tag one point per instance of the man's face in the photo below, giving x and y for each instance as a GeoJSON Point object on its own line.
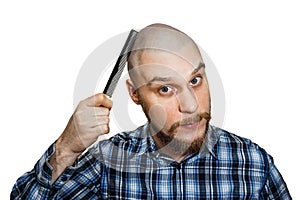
{"type": "Point", "coordinates": [173, 92]}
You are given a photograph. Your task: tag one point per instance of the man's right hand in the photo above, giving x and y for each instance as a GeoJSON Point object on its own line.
{"type": "Point", "coordinates": [88, 122]}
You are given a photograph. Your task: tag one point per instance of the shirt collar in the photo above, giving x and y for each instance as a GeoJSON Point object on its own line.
{"type": "Point", "coordinates": [207, 147]}
{"type": "Point", "coordinates": [209, 142]}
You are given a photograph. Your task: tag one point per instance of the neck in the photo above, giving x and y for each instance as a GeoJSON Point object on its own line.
{"type": "Point", "coordinates": [168, 150]}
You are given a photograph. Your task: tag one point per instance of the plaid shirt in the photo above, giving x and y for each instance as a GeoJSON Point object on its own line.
{"type": "Point", "coordinates": [128, 166]}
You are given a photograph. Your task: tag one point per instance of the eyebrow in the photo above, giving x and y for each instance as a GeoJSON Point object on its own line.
{"type": "Point", "coordinates": [198, 68]}
{"type": "Point", "coordinates": [168, 79]}
{"type": "Point", "coordinates": [159, 79]}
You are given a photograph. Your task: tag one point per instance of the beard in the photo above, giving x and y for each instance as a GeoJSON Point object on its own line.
{"type": "Point", "coordinates": [182, 146]}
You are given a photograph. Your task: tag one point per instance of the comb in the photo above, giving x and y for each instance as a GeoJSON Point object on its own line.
{"type": "Point", "coordinates": [120, 64]}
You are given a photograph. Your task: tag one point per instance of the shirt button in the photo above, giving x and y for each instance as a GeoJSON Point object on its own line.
{"type": "Point", "coordinates": [64, 178]}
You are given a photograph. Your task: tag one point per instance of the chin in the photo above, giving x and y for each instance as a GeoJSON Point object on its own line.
{"type": "Point", "coordinates": [187, 137]}
{"type": "Point", "coordinates": [185, 146]}
{"type": "Point", "coordinates": [190, 134]}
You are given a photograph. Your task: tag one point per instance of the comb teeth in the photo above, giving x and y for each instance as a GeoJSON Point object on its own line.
{"type": "Point", "coordinates": [113, 83]}
{"type": "Point", "coordinates": [120, 64]}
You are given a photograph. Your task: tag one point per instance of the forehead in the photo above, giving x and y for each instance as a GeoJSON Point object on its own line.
{"type": "Point", "coordinates": [162, 63]}
{"type": "Point", "coordinates": [161, 56]}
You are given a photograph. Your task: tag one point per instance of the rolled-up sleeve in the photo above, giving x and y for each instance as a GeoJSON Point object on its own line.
{"type": "Point", "coordinates": [36, 184]}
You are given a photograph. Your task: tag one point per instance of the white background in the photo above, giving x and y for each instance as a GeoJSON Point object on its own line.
{"type": "Point", "coordinates": [254, 45]}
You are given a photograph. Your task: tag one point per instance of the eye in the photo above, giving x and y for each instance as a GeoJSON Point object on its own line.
{"type": "Point", "coordinates": [195, 81]}
{"type": "Point", "coordinates": [165, 90]}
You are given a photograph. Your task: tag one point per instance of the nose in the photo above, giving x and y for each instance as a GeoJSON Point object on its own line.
{"type": "Point", "coordinates": [187, 101]}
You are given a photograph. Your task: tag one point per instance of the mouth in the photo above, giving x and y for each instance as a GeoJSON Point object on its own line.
{"type": "Point", "coordinates": [191, 122]}
{"type": "Point", "coordinates": [192, 125]}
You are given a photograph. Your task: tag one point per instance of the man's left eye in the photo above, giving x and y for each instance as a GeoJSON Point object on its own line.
{"type": "Point", "coordinates": [195, 81]}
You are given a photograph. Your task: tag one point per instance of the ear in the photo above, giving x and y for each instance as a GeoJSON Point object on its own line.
{"type": "Point", "coordinates": [132, 91]}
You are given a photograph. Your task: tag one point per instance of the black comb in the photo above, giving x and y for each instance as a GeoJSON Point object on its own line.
{"type": "Point", "coordinates": [120, 64]}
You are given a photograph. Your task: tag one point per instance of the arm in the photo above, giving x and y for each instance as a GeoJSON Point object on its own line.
{"type": "Point", "coordinates": [275, 187]}
{"type": "Point", "coordinates": [80, 179]}
{"type": "Point", "coordinates": [36, 181]}
{"type": "Point", "coordinates": [89, 121]}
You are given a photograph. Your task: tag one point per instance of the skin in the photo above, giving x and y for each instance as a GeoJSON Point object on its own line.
{"type": "Point", "coordinates": [172, 90]}
{"type": "Point", "coordinates": [168, 80]}
{"type": "Point", "coordinates": [89, 120]}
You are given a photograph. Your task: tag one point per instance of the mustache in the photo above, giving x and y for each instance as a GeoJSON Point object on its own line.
{"type": "Point", "coordinates": [191, 120]}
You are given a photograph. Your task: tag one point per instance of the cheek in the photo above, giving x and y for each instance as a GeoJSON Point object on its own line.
{"type": "Point", "coordinates": [157, 115]}
{"type": "Point", "coordinates": [171, 114]}
{"type": "Point", "coordinates": [203, 99]}
{"type": "Point", "coordinates": [162, 114]}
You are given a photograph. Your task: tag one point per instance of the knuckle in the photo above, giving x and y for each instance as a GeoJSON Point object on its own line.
{"type": "Point", "coordinates": [100, 97]}
{"type": "Point", "coordinates": [106, 111]}
{"type": "Point", "coordinates": [105, 129]}
{"type": "Point", "coordinates": [105, 121]}
{"type": "Point", "coordinates": [76, 117]}
{"type": "Point", "coordinates": [102, 120]}
{"type": "Point", "coordinates": [81, 103]}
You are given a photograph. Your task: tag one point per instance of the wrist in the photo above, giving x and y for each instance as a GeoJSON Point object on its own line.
{"type": "Point", "coordinates": [64, 154]}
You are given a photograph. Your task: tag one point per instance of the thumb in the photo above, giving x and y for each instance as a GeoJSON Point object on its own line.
{"type": "Point", "coordinates": [99, 99]}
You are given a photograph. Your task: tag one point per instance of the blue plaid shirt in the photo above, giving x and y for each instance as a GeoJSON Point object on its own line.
{"type": "Point", "coordinates": [128, 166]}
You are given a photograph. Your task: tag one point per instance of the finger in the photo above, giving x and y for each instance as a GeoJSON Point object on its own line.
{"type": "Point", "coordinates": [101, 111]}
{"type": "Point", "coordinates": [89, 112]}
{"type": "Point", "coordinates": [101, 129]}
{"type": "Point", "coordinates": [97, 121]}
{"type": "Point", "coordinates": [99, 99]}
{"type": "Point", "coordinates": [103, 120]}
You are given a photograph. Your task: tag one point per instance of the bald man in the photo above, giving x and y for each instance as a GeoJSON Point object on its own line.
{"type": "Point", "coordinates": [177, 154]}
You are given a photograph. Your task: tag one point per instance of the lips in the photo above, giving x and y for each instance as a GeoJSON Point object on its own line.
{"type": "Point", "coordinates": [190, 121]}
{"type": "Point", "coordinates": [192, 125]}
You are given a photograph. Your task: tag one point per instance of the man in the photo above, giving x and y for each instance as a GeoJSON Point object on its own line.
{"type": "Point", "coordinates": [176, 155]}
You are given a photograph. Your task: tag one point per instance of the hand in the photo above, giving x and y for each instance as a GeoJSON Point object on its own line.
{"type": "Point", "coordinates": [89, 121]}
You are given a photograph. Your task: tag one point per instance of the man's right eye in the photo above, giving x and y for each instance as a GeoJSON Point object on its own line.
{"type": "Point", "coordinates": [165, 90]}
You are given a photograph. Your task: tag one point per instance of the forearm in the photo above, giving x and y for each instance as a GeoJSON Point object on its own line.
{"type": "Point", "coordinates": [40, 182]}
{"type": "Point", "coordinates": [57, 165]}
{"type": "Point", "coordinates": [61, 159]}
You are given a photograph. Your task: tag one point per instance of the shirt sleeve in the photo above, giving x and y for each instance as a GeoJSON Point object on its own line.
{"type": "Point", "coordinates": [77, 179]}
{"type": "Point", "coordinates": [275, 187]}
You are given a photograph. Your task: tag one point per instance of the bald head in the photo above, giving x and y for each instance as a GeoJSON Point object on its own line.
{"type": "Point", "coordinates": [162, 38]}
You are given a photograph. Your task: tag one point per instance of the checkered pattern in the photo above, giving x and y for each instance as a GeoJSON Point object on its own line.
{"type": "Point", "coordinates": [128, 166]}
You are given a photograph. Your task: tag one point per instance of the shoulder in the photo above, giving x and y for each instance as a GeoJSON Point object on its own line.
{"type": "Point", "coordinates": [128, 138]}
{"type": "Point", "coordinates": [229, 139]}
{"type": "Point", "coordinates": [131, 142]}
{"type": "Point", "coordinates": [241, 149]}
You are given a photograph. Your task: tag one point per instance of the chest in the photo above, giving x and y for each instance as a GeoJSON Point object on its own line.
{"type": "Point", "coordinates": [205, 179]}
